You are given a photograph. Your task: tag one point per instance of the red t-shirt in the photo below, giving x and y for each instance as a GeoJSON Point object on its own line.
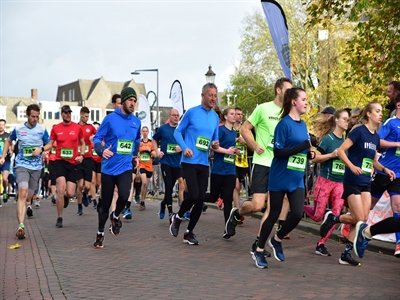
{"type": "Point", "coordinates": [52, 153]}
{"type": "Point", "coordinates": [88, 130]}
{"type": "Point", "coordinates": [68, 138]}
{"type": "Point", "coordinates": [95, 157]}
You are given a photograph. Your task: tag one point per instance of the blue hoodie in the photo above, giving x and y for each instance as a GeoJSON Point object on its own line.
{"type": "Point", "coordinates": [118, 127]}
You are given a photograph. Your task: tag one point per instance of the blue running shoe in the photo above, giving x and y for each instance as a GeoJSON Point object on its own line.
{"type": "Point", "coordinates": [123, 211]}
{"type": "Point", "coordinates": [161, 213]}
{"type": "Point", "coordinates": [80, 211]}
{"type": "Point", "coordinates": [277, 248]}
{"type": "Point", "coordinates": [360, 242]}
{"type": "Point", "coordinates": [260, 259]}
{"type": "Point", "coordinates": [186, 215]}
{"type": "Point", "coordinates": [128, 214]}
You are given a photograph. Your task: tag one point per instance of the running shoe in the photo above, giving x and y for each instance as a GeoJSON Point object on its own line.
{"type": "Point", "coordinates": [128, 214]}
{"type": "Point", "coordinates": [321, 250]}
{"type": "Point", "coordinates": [260, 260]}
{"type": "Point", "coordinates": [287, 237]}
{"type": "Point", "coordinates": [98, 243]}
{"type": "Point", "coordinates": [142, 206]}
{"type": "Point", "coordinates": [187, 214]}
{"type": "Point", "coordinates": [85, 200]}
{"type": "Point", "coordinates": [327, 224]}
{"type": "Point", "coordinates": [161, 213]}
{"type": "Point", "coordinates": [241, 220]}
{"type": "Point", "coordinates": [137, 199]}
{"type": "Point", "coordinates": [37, 203]}
{"type": "Point", "coordinates": [80, 211]}
{"type": "Point", "coordinates": [1, 205]}
{"type": "Point", "coordinates": [90, 199]}
{"type": "Point", "coordinates": [53, 200]}
{"type": "Point", "coordinates": [226, 235]}
{"type": "Point", "coordinates": [347, 259]}
{"type": "Point", "coordinates": [20, 234]}
{"type": "Point", "coordinates": [277, 248]}
{"type": "Point", "coordinates": [220, 204]}
{"type": "Point", "coordinates": [123, 211]}
{"type": "Point", "coordinates": [5, 197]}
{"type": "Point", "coordinates": [66, 201]}
{"type": "Point", "coordinates": [174, 227]}
{"type": "Point", "coordinates": [29, 211]}
{"type": "Point", "coordinates": [397, 250]}
{"type": "Point", "coordinates": [254, 248]}
{"type": "Point", "coordinates": [360, 242]}
{"type": "Point", "coordinates": [59, 223]}
{"type": "Point", "coordinates": [94, 204]}
{"type": "Point", "coordinates": [115, 224]}
{"type": "Point", "coordinates": [190, 238]}
{"type": "Point", "coordinates": [204, 208]}
{"type": "Point", "coordinates": [231, 223]}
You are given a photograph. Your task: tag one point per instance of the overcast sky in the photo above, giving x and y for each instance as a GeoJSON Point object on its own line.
{"type": "Point", "coordinates": [49, 43]}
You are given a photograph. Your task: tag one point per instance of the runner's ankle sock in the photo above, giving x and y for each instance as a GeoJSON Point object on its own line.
{"type": "Point", "coordinates": [128, 204]}
{"type": "Point", "coordinates": [349, 246]}
{"type": "Point", "coordinates": [99, 232]}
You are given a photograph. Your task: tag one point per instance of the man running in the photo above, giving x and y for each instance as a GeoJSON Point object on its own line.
{"type": "Point", "coordinates": [28, 162]}
{"type": "Point", "coordinates": [5, 166]}
{"type": "Point", "coordinates": [121, 134]}
{"type": "Point", "coordinates": [69, 137]}
{"type": "Point", "coordinates": [200, 127]}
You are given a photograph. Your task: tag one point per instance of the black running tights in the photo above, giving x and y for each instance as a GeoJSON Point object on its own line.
{"type": "Point", "coordinates": [170, 176]}
{"type": "Point", "coordinates": [296, 202]}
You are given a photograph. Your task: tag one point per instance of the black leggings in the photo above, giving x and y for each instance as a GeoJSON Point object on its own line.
{"type": "Point", "coordinates": [223, 185]}
{"type": "Point", "coordinates": [196, 177]}
{"type": "Point", "coordinates": [170, 176]}
{"type": "Point", "coordinates": [388, 225]}
{"type": "Point", "coordinates": [108, 182]}
{"type": "Point", "coordinates": [296, 202]}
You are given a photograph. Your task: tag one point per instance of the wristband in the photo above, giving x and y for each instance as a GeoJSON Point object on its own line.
{"type": "Point", "coordinates": [42, 149]}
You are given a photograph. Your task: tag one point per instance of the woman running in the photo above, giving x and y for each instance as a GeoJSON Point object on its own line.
{"type": "Point", "coordinates": [223, 171]}
{"type": "Point", "coordinates": [361, 147]}
{"type": "Point", "coordinates": [329, 184]}
{"type": "Point", "coordinates": [291, 150]}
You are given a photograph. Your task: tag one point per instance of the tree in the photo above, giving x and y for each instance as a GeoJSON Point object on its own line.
{"type": "Point", "coordinates": [372, 52]}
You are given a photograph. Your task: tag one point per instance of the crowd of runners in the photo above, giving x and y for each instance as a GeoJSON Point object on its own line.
{"type": "Point", "coordinates": [358, 152]}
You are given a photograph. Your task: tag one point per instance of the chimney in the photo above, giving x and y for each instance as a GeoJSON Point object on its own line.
{"type": "Point", "coordinates": [34, 94]}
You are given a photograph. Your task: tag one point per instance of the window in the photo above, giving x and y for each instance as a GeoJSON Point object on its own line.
{"type": "Point", "coordinates": [50, 115]}
{"type": "Point", "coordinates": [21, 112]}
{"type": "Point", "coordinates": [63, 96]}
{"type": "Point", "coordinates": [44, 115]}
{"type": "Point", "coordinates": [57, 115]}
{"type": "Point", "coordinates": [72, 95]}
{"type": "Point", "coordinates": [109, 111]}
{"type": "Point", "coordinates": [75, 117]}
{"type": "Point", "coordinates": [3, 112]}
{"type": "Point", "coordinates": [95, 115]}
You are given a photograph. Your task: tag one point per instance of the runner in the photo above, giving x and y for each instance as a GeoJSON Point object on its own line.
{"type": "Point", "coordinates": [84, 175]}
{"type": "Point", "coordinates": [329, 184]}
{"type": "Point", "coordinates": [68, 136]}
{"type": "Point", "coordinates": [5, 166]}
{"type": "Point", "coordinates": [199, 126]}
{"type": "Point", "coordinates": [120, 132]}
{"type": "Point", "coordinates": [390, 142]}
{"type": "Point", "coordinates": [291, 150]}
{"type": "Point", "coordinates": [170, 155]}
{"type": "Point", "coordinates": [96, 172]}
{"type": "Point", "coordinates": [146, 154]}
{"type": "Point", "coordinates": [28, 163]}
{"type": "Point", "coordinates": [361, 147]}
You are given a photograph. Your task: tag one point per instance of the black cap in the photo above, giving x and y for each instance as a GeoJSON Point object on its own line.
{"type": "Point", "coordinates": [328, 110]}
{"type": "Point", "coordinates": [66, 109]}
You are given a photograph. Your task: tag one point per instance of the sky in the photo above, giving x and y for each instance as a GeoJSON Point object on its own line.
{"type": "Point", "coordinates": [44, 44]}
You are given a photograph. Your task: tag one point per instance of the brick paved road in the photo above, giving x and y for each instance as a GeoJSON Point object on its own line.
{"type": "Point", "coordinates": [146, 262]}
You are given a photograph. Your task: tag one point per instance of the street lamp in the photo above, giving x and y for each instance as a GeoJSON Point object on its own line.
{"type": "Point", "coordinates": [210, 75]}
{"type": "Point", "coordinates": [137, 72]}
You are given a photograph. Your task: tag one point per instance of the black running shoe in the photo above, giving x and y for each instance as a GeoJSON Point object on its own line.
{"type": "Point", "coordinates": [226, 236]}
{"type": "Point", "coordinates": [327, 224]}
{"type": "Point", "coordinates": [347, 259]}
{"type": "Point", "coordinates": [231, 223]}
{"type": "Point", "coordinates": [204, 208]}
{"type": "Point", "coordinates": [190, 238]}
{"type": "Point", "coordinates": [174, 227]}
{"type": "Point", "coordinates": [321, 250]}
{"type": "Point", "coordinates": [254, 248]}
{"type": "Point", "coordinates": [115, 224]}
{"type": "Point", "coordinates": [66, 201]}
{"type": "Point", "coordinates": [59, 223]}
{"type": "Point", "coordinates": [98, 243]}
{"type": "Point", "coordinates": [29, 211]}
{"type": "Point", "coordinates": [85, 199]}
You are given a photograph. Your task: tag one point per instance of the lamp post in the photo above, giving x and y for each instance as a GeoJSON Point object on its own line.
{"type": "Point", "coordinates": [210, 75]}
{"type": "Point", "coordinates": [137, 72]}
